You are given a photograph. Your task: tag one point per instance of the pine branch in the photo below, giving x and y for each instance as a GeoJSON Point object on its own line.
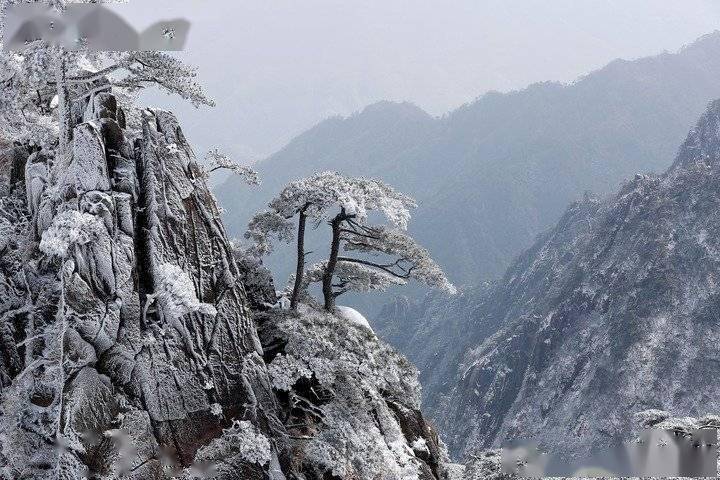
{"type": "Point", "coordinates": [387, 268]}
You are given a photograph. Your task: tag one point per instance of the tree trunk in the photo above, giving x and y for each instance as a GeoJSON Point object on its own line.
{"type": "Point", "coordinates": [63, 107]}
{"type": "Point", "coordinates": [300, 268]}
{"type": "Point", "coordinates": [332, 262]}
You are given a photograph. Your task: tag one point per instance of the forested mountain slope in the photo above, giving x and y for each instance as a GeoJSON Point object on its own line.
{"type": "Point", "coordinates": [612, 312]}
{"type": "Point", "coordinates": [493, 174]}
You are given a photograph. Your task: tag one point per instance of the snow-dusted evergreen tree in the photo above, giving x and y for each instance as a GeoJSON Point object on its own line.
{"type": "Point", "coordinates": [391, 256]}
{"type": "Point", "coordinates": [395, 258]}
{"type": "Point", "coordinates": [217, 160]}
{"type": "Point", "coordinates": [42, 85]}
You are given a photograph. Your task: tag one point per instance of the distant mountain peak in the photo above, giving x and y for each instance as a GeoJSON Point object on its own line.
{"type": "Point", "coordinates": [709, 40]}
{"type": "Point", "coordinates": [702, 146]}
{"type": "Point", "coordinates": [608, 314]}
{"type": "Point", "coordinates": [386, 110]}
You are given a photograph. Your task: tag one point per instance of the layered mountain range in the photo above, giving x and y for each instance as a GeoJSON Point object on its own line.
{"type": "Point", "coordinates": [493, 174]}
{"type": "Point", "coordinates": [611, 312]}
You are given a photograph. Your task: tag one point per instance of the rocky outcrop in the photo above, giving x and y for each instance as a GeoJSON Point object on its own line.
{"type": "Point", "coordinates": [129, 346]}
{"type": "Point", "coordinates": [257, 280]}
{"type": "Point", "coordinates": [129, 323]}
{"type": "Point", "coordinates": [612, 312]}
{"type": "Point", "coordinates": [12, 164]}
{"type": "Point", "coordinates": [350, 403]}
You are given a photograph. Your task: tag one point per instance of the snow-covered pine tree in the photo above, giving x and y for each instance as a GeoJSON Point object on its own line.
{"type": "Point", "coordinates": [346, 203]}
{"type": "Point", "coordinates": [45, 88]}
{"type": "Point", "coordinates": [216, 160]}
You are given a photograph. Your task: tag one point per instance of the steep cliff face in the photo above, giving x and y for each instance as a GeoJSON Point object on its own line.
{"type": "Point", "coordinates": [612, 312]}
{"type": "Point", "coordinates": [437, 332]}
{"type": "Point", "coordinates": [128, 345]}
{"type": "Point", "coordinates": [124, 309]}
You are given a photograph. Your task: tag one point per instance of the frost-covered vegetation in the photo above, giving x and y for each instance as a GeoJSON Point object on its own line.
{"type": "Point", "coordinates": [391, 256]}
{"type": "Point", "coordinates": [240, 442]}
{"type": "Point", "coordinates": [68, 229]}
{"type": "Point", "coordinates": [42, 86]}
{"type": "Point", "coordinates": [127, 343]}
{"type": "Point", "coordinates": [217, 160]}
{"type": "Point", "coordinates": [352, 402]}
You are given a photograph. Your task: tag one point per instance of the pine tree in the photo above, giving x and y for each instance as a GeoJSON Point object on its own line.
{"type": "Point", "coordinates": [391, 257]}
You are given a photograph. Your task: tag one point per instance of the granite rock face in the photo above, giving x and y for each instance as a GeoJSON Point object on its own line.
{"type": "Point", "coordinates": [350, 403]}
{"type": "Point", "coordinates": [125, 309]}
{"type": "Point", "coordinates": [128, 345]}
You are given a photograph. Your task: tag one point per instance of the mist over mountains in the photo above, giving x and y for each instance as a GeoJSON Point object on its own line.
{"type": "Point", "coordinates": [610, 313]}
{"type": "Point", "coordinates": [138, 339]}
{"type": "Point", "coordinates": [493, 174]}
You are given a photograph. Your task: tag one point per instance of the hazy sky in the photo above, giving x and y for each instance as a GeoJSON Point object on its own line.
{"type": "Point", "coordinates": [277, 67]}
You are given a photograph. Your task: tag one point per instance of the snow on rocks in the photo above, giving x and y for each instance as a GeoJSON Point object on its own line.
{"type": "Point", "coordinates": [176, 293]}
{"type": "Point", "coordinates": [151, 240]}
{"type": "Point", "coordinates": [69, 229]}
{"type": "Point", "coordinates": [351, 400]}
{"type": "Point", "coordinates": [85, 173]}
{"type": "Point", "coordinates": [354, 317]}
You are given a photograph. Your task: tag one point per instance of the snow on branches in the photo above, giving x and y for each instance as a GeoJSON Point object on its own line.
{"type": "Point", "coordinates": [135, 70]}
{"type": "Point", "coordinates": [346, 203]}
{"type": "Point", "coordinates": [321, 195]}
{"type": "Point", "coordinates": [264, 227]}
{"type": "Point", "coordinates": [412, 260]}
{"type": "Point", "coordinates": [240, 442]}
{"type": "Point", "coordinates": [217, 160]}
{"type": "Point", "coordinates": [352, 276]}
{"type": "Point", "coordinates": [42, 87]}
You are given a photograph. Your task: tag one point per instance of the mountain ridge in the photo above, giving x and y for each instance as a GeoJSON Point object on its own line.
{"type": "Point", "coordinates": [480, 173]}
{"type": "Point", "coordinates": [611, 312]}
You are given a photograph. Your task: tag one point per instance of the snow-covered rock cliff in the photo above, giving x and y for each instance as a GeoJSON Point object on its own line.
{"type": "Point", "coordinates": [125, 309]}
{"type": "Point", "coordinates": [351, 404]}
{"type": "Point", "coordinates": [128, 340]}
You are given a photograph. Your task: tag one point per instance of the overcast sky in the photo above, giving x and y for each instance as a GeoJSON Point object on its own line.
{"type": "Point", "coordinates": [277, 67]}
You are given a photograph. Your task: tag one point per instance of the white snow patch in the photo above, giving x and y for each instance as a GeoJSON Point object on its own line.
{"type": "Point", "coordinates": [69, 229]}
{"type": "Point", "coordinates": [175, 292]}
{"type": "Point", "coordinates": [353, 316]}
{"type": "Point", "coordinates": [283, 302]}
{"type": "Point", "coordinates": [216, 409]}
{"type": "Point", "coordinates": [420, 446]}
